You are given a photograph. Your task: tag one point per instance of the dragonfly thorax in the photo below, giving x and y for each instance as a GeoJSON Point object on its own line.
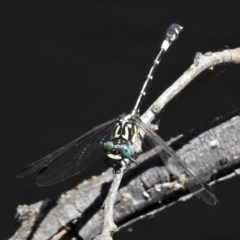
{"type": "Point", "coordinates": [125, 129]}
{"type": "Point", "coordinates": [123, 136]}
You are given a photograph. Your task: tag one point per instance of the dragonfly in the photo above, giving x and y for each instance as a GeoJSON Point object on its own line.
{"type": "Point", "coordinates": [116, 138]}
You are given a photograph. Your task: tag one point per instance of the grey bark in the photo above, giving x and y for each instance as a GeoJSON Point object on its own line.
{"type": "Point", "coordinates": [145, 190]}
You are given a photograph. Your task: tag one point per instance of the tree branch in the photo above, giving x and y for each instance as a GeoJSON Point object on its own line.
{"type": "Point", "coordinates": [109, 226]}
{"type": "Point", "coordinates": [201, 63]}
{"type": "Point", "coordinates": [147, 188]}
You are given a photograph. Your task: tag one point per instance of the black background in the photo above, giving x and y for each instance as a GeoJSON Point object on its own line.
{"type": "Point", "coordinates": [67, 66]}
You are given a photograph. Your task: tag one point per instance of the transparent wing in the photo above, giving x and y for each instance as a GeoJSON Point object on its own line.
{"type": "Point", "coordinates": [176, 165]}
{"type": "Point", "coordinates": [70, 159]}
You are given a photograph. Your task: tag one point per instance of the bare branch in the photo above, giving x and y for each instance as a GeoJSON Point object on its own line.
{"type": "Point", "coordinates": [109, 226]}
{"type": "Point", "coordinates": [201, 63]}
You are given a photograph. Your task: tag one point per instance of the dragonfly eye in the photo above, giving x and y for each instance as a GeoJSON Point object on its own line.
{"type": "Point", "coordinates": [108, 145]}
{"type": "Point", "coordinates": [125, 151]}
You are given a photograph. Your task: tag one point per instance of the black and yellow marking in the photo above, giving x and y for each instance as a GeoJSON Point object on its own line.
{"type": "Point", "coordinates": [125, 129]}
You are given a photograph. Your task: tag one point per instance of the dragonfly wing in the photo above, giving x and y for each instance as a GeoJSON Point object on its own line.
{"type": "Point", "coordinates": [70, 159]}
{"type": "Point", "coordinates": [176, 165]}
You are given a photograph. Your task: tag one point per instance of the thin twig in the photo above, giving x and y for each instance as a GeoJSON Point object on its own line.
{"type": "Point", "coordinates": [109, 226]}
{"type": "Point", "coordinates": [201, 63]}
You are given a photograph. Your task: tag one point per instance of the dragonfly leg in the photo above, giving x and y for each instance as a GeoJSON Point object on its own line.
{"type": "Point", "coordinates": [133, 160]}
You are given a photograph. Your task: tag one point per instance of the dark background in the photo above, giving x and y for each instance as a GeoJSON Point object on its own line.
{"type": "Point", "coordinates": [67, 66]}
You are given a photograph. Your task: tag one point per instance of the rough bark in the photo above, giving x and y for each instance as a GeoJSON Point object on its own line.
{"type": "Point", "coordinates": [145, 190]}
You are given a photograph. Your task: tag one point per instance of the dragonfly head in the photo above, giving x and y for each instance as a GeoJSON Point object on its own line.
{"type": "Point", "coordinates": [125, 151]}
{"type": "Point", "coordinates": [117, 151]}
{"type": "Point", "coordinates": [108, 146]}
